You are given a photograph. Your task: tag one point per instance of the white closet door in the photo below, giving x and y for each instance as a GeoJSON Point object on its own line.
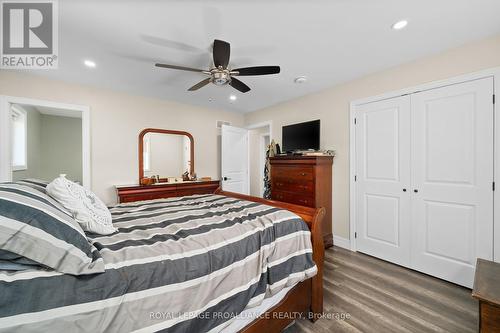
{"type": "Point", "coordinates": [452, 170]}
{"type": "Point", "coordinates": [383, 172]}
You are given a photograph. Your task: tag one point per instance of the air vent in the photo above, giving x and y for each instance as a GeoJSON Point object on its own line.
{"type": "Point", "coordinates": [222, 122]}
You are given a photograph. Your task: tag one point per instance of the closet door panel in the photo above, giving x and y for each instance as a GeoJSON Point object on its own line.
{"type": "Point", "coordinates": [382, 160]}
{"type": "Point", "coordinates": [452, 174]}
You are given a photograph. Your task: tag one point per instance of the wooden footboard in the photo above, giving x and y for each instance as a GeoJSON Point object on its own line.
{"type": "Point", "coordinates": [307, 296]}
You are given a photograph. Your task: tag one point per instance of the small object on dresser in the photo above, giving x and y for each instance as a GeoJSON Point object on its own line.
{"type": "Point", "coordinates": [185, 176]}
{"type": "Point", "coordinates": [206, 179]}
{"type": "Point", "coordinates": [146, 181]}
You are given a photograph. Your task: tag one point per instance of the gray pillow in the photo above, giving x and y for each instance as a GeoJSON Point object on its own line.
{"type": "Point", "coordinates": [13, 262]}
{"type": "Point", "coordinates": [36, 227]}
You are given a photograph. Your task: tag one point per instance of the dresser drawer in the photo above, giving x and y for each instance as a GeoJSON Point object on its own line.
{"type": "Point", "coordinates": [292, 172]}
{"type": "Point", "coordinates": [284, 184]}
{"type": "Point", "coordinates": [294, 198]}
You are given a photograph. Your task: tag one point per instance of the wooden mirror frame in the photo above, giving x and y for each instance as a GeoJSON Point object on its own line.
{"type": "Point", "coordinates": [162, 131]}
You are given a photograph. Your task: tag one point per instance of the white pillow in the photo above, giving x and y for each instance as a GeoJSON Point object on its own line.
{"type": "Point", "coordinates": [87, 209]}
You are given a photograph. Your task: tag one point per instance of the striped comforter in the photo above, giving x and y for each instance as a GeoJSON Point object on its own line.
{"type": "Point", "coordinates": [186, 264]}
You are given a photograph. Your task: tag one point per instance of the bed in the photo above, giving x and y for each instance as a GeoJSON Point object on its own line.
{"type": "Point", "coordinates": [184, 264]}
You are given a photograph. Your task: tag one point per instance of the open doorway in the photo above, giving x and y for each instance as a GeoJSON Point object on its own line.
{"type": "Point", "coordinates": [259, 137]}
{"type": "Point", "coordinates": [43, 140]}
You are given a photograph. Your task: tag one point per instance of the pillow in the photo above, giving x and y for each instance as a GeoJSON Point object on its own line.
{"type": "Point", "coordinates": [35, 183]}
{"type": "Point", "coordinates": [38, 228]}
{"type": "Point", "coordinates": [13, 262]}
{"type": "Point", "coordinates": [86, 207]}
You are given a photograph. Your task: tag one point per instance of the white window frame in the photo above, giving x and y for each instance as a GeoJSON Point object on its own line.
{"type": "Point", "coordinates": [20, 112]}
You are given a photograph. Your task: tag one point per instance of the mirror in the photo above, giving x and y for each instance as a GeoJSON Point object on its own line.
{"type": "Point", "coordinates": [165, 153]}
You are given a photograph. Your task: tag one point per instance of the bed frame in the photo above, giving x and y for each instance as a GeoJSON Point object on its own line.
{"type": "Point", "coordinates": [306, 297]}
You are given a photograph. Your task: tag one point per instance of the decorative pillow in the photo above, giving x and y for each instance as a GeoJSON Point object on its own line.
{"type": "Point", "coordinates": [36, 227]}
{"type": "Point", "coordinates": [86, 207]}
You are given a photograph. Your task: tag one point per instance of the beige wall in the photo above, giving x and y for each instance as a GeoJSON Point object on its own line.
{"type": "Point", "coordinates": [116, 120]}
{"type": "Point", "coordinates": [61, 148]}
{"type": "Point", "coordinates": [332, 107]}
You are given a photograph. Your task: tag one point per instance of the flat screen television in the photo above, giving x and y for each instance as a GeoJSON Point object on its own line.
{"type": "Point", "coordinates": [302, 136]}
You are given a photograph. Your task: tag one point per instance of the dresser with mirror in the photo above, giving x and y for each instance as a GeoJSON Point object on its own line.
{"type": "Point", "coordinates": [166, 168]}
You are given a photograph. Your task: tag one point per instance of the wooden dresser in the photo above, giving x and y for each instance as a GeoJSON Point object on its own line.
{"type": "Point", "coordinates": [129, 193]}
{"type": "Point", "coordinates": [487, 292]}
{"type": "Point", "coordinates": [306, 181]}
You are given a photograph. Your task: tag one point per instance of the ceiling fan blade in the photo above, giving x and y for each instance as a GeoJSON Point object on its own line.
{"type": "Point", "coordinates": [258, 70]}
{"type": "Point", "coordinates": [182, 68]}
{"type": "Point", "coordinates": [222, 51]}
{"type": "Point", "coordinates": [160, 41]}
{"type": "Point", "coordinates": [200, 84]}
{"type": "Point", "coordinates": [238, 85]}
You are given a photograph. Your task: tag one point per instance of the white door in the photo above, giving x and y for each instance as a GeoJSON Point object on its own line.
{"type": "Point", "coordinates": [234, 164]}
{"type": "Point", "coordinates": [383, 179]}
{"type": "Point", "coordinates": [452, 174]}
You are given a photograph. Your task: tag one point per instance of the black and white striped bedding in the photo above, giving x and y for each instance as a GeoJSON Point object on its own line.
{"type": "Point", "coordinates": [179, 265]}
{"type": "Point", "coordinates": [36, 227]}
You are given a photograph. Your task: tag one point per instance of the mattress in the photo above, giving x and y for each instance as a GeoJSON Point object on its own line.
{"type": "Point", "coordinates": [186, 264]}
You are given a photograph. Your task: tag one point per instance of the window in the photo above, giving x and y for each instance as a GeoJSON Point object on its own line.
{"type": "Point", "coordinates": [19, 139]}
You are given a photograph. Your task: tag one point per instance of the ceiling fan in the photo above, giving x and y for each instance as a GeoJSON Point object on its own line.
{"type": "Point", "coordinates": [221, 74]}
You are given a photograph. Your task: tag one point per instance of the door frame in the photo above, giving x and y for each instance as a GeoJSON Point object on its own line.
{"type": "Point", "coordinates": [262, 159]}
{"type": "Point", "coordinates": [493, 73]}
{"type": "Point", "coordinates": [5, 104]}
{"type": "Point", "coordinates": [269, 125]}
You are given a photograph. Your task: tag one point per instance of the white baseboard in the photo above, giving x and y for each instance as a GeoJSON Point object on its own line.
{"type": "Point", "coordinates": [342, 242]}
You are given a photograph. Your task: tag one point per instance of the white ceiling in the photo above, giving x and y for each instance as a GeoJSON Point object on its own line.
{"type": "Point", "coordinates": [329, 42]}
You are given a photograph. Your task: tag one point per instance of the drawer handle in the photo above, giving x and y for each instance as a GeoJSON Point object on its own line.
{"type": "Point", "coordinates": [302, 173]}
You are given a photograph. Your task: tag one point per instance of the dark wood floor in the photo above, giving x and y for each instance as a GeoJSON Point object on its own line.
{"type": "Point", "coordinates": [381, 297]}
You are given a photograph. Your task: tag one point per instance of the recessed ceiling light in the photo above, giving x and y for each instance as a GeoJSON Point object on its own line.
{"type": "Point", "coordinates": [400, 25]}
{"type": "Point", "coordinates": [232, 97]}
{"type": "Point", "coordinates": [300, 79]}
{"type": "Point", "coordinates": [89, 63]}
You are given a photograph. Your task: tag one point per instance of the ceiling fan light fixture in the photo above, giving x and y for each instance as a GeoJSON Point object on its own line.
{"type": "Point", "coordinates": [220, 77]}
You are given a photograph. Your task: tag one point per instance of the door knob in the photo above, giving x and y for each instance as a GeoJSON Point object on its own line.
{"type": "Point", "coordinates": [404, 190]}
{"type": "Point", "coordinates": [226, 178]}
{"type": "Point", "coordinates": [415, 190]}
